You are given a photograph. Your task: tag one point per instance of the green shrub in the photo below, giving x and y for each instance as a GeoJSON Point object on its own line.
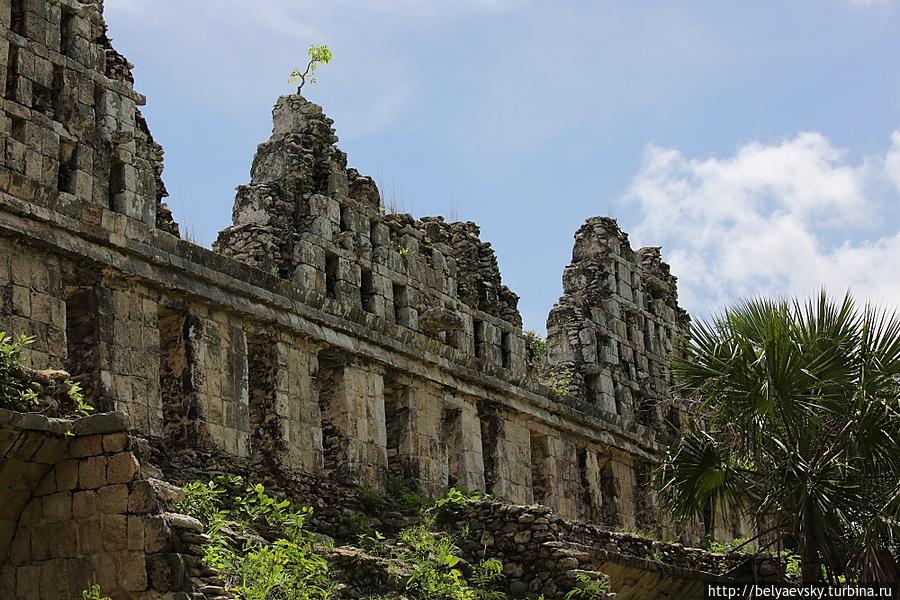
{"type": "Point", "coordinates": [15, 394]}
{"type": "Point", "coordinates": [402, 495]}
{"type": "Point", "coordinates": [535, 345]}
{"type": "Point", "coordinates": [588, 588]}
{"type": "Point", "coordinates": [737, 544]}
{"type": "Point", "coordinates": [434, 567]}
{"type": "Point", "coordinates": [19, 394]}
{"type": "Point", "coordinates": [357, 523]}
{"type": "Point", "coordinates": [561, 381]}
{"type": "Point", "coordinates": [456, 499]}
{"type": "Point", "coordinates": [291, 566]}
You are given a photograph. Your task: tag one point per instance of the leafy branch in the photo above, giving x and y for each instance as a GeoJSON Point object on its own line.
{"type": "Point", "coordinates": [318, 55]}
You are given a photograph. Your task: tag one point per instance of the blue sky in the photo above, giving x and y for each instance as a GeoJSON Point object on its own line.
{"type": "Point", "coordinates": [754, 141]}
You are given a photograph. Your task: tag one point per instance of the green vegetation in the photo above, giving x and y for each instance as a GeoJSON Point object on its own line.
{"type": "Point", "coordinates": [797, 425]}
{"type": "Point", "coordinates": [401, 494]}
{"type": "Point", "coordinates": [561, 381]}
{"type": "Point", "coordinates": [588, 589]}
{"type": "Point", "coordinates": [94, 593]}
{"type": "Point", "coordinates": [318, 55]}
{"type": "Point", "coordinates": [290, 561]}
{"type": "Point", "coordinates": [736, 545]}
{"type": "Point", "coordinates": [535, 344]}
{"type": "Point", "coordinates": [290, 565]}
{"type": "Point", "coordinates": [535, 351]}
{"type": "Point", "coordinates": [19, 393]}
{"type": "Point", "coordinates": [15, 393]}
{"type": "Point", "coordinates": [428, 558]}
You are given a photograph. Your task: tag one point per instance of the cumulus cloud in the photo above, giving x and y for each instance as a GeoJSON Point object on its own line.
{"type": "Point", "coordinates": [892, 162]}
{"type": "Point", "coordinates": [779, 218]}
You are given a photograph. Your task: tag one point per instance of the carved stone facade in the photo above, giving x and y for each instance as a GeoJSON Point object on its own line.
{"type": "Point", "coordinates": [336, 340]}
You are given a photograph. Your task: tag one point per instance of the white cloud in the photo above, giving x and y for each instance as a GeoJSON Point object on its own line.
{"type": "Point", "coordinates": [782, 218]}
{"type": "Point", "coordinates": [892, 161]}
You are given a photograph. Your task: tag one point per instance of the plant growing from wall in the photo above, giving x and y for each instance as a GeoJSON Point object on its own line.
{"type": "Point", "coordinates": [318, 55]}
{"type": "Point", "coordinates": [561, 381]}
{"type": "Point", "coordinates": [588, 588]}
{"type": "Point", "coordinates": [403, 495]}
{"type": "Point", "coordinates": [20, 391]}
{"type": "Point", "coordinates": [94, 593]}
{"type": "Point", "coordinates": [14, 393]}
{"type": "Point", "coordinates": [535, 345]}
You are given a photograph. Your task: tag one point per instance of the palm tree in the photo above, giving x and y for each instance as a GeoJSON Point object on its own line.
{"type": "Point", "coordinates": [795, 420]}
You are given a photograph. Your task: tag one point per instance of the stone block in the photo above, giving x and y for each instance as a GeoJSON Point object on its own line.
{"type": "Point", "coordinates": [115, 442]}
{"type": "Point", "coordinates": [84, 504]}
{"type": "Point", "coordinates": [123, 468]}
{"type": "Point", "coordinates": [90, 445]}
{"type": "Point", "coordinates": [92, 472]}
{"type": "Point", "coordinates": [90, 535]}
{"type": "Point", "coordinates": [66, 475]}
{"type": "Point", "coordinates": [113, 499]}
{"type": "Point", "coordinates": [143, 498]}
{"type": "Point", "coordinates": [135, 533]}
{"type": "Point", "coordinates": [28, 582]}
{"type": "Point", "coordinates": [158, 536]}
{"type": "Point", "coordinates": [132, 571]}
{"type": "Point", "coordinates": [115, 532]}
{"type": "Point", "coordinates": [166, 572]}
{"type": "Point", "coordinates": [57, 507]}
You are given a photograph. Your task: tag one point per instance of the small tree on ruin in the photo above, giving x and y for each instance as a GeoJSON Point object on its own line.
{"type": "Point", "coordinates": [318, 55]}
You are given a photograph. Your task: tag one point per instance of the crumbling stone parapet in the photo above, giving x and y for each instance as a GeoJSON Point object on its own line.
{"type": "Point", "coordinates": [306, 217]}
{"type": "Point", "coordinates": [617, 324]}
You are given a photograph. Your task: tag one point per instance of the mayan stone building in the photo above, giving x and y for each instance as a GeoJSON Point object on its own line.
{"type": "Point", "coordinates": [340, 342]}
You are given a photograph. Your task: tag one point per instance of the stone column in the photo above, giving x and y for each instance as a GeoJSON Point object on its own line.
{"type": "Point", "coordinates": [353, 422]}
{"type": "Point", "coordinates": [128, 341]}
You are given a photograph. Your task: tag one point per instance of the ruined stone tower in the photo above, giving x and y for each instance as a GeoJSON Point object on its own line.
{"type": "Point", "coordinates": [333, 340]}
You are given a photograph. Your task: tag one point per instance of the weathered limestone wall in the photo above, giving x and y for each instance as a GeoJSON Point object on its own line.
{"type": "Point", "coordinates": [611, 337]}
{"type": "Point", "coordinates": [33, 302]}
{"type": "Point", "coordinates": [306, 217]}
{"type": "Point", "coordinates": [76, 509]}
{"type": "Point", "coordinates": [545, 554]}
{"type": "Point", "coordinates": [351, 400]}
{"type": "Point", "coordinates": [70, 125]}
{"type": "Point", "coordinates": [285, 417]}
{"type": "Point", "coordinates": [127, 340]}
{"type": "Point", "coordinates": [616, 326]}
{"type": "Point", "coordinates": [323, 334]}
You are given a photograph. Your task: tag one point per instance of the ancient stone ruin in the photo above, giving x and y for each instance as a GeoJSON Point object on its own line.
{"type": "Point", "coordinates": [320, 337]}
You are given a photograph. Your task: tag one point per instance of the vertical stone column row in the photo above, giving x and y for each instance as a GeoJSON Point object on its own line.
{"type": "Point", "coordinates": [31, 302]}
{"type": "Point", "coordinates": [434, 437]}
{"type": "Point", "coordinates": [351, 400]}
{"type": "Point", "coordinates": [286, 421]}
{"type": "Point", "coordinates": [203, 378]}
{"type": "Point", "coordinates": [128, 338]}
{"type": "Point", "coordinates": [506, 447]}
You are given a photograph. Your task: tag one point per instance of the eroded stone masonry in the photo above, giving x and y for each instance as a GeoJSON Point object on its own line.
{"type": "Point", "coordinates": [338, 342]}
